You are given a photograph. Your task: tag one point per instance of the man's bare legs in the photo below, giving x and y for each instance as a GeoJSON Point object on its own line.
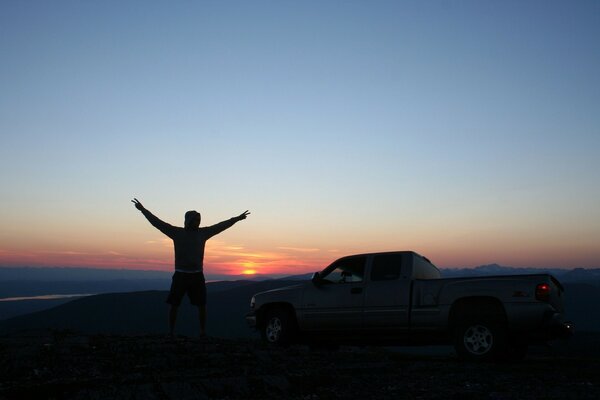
{"type": "Point", "coordinates": [172, 319]}
{"type": "Point", "coordinates": [202, 319]}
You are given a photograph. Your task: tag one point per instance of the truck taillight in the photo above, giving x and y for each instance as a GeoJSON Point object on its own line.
{"type": "Point", "coordinates": [542, 292]}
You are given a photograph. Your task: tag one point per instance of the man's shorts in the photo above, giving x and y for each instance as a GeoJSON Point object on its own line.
{"type": "Point", "coordinates": [191, 283]}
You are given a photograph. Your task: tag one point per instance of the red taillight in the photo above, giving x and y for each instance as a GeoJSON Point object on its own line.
{"type": "Point", "coordinates": [542, 292]}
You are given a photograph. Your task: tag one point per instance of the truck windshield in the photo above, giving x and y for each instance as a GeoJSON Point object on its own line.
{"type": "Point", "coordinates": [347, 270]}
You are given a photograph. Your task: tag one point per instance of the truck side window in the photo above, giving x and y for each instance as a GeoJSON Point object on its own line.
{"type": "Point", "coordinates": [347, 270]}
{"type": "Point", "coordinates": [386, 267]}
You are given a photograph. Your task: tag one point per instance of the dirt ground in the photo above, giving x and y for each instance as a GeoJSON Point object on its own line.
{"type": "Point", "coordinates": [71, 366]}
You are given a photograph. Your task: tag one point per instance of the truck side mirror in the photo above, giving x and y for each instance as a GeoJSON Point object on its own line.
{"type": "Point", "coordinates": [316, 279]}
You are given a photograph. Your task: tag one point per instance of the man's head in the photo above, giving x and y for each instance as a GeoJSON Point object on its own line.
{"type": "Point", "coordinates": [192, 220]}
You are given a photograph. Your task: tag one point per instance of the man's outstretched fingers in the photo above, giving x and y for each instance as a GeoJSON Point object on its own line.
{"type": "Point", "coordinates": [244, 214]}
{"type": "Point", "coordinates": [137, 203]}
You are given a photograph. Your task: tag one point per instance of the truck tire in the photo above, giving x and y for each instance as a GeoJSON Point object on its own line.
{"type": "Point", "coordinates": [279, 327]}
{"type": "Point", "coordinates": [480, 339]}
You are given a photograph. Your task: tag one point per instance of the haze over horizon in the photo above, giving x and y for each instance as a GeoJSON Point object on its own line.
{"type": "Point", "coordinates": [466, 131]}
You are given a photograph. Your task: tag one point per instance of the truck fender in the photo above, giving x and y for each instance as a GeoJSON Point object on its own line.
{"type": "Point", "coordinates": [262, 312]}
{"type": "Point", "coordinates": [468, 307]}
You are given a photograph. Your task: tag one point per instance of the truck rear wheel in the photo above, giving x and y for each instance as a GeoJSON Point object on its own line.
{"type": "Point", "coordinates": [279, 327]}
{"type": "Point", "coordinates": [480, 339]}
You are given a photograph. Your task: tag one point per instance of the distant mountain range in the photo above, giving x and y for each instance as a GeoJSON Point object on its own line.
{"type": "Point", "coordinates": [69, 274]}
{"type": "Point", "coordinates": [564, 275]}
{"type": "Point", "coordinates": [51, 274]}
{"type": "Point", "coordinates": [38, 281]}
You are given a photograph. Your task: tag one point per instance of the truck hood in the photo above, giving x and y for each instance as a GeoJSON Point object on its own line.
{"type": "Point", "coordinates": [286, 289]}
{"type": "Point", "coordinates": [289, 294]}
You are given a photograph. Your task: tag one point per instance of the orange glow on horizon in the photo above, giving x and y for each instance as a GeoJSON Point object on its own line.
{"type": "Point", "coordinates": [220, 259]}
{"type": "Point", "coordinates": [223, 258]}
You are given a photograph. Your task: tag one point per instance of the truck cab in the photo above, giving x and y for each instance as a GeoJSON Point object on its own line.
{"type": "Point", "coordinates": [368, 291]}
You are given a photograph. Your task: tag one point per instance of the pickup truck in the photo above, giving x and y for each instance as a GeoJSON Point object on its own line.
{"type": "Point", "coordinates": [399, 298]}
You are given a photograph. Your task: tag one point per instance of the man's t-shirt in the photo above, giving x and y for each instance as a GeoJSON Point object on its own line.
{"type": "Point", "coordinates": [189, 243]}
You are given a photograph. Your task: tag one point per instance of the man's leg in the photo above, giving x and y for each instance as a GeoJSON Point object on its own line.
{"type": "Point", "coordinates": [172, 319]}
{"type": "Point", "coordinates": [202, 318]}
{"type": "Point", "coordinates": [197, 295]}
{"type": "Point", "coordinates": [175, 295]}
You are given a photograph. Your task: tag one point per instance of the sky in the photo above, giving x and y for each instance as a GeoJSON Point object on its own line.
{"type": "Point", "coordinates": [467, 131]}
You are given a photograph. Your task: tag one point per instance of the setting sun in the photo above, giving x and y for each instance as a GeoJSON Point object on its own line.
{"type": "Point", "coordinates": [249, 272]}
{"type": "Point", "coordinates": [249, 268]}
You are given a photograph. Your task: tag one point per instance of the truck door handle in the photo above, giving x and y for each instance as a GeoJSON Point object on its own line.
{"type": "Point", "coordinates": [356, 290]}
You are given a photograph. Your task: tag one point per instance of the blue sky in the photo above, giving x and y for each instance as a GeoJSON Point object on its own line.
{"type": "Point", "coordinates": [467, 131]}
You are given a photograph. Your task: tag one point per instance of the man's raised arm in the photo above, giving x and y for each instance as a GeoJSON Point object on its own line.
{"type": "Point", "coordinates": [221, 226]}
{"type": "Point", "coordinates": [156, 222]}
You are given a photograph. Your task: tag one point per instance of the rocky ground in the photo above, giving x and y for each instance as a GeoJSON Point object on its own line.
{"type": "Point", "coordinates": [88, 367]}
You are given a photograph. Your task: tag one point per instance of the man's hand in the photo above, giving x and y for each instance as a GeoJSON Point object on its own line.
{"type": "Point", "coordinates": [242, 215]}
{"type": "Point", "coordinates": [139, 205]}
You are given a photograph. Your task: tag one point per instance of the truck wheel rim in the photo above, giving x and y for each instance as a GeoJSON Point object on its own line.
{"type": "Point", "coordinates": [273, 330]}
{"type": "Point", "coordinates": [478, 339]}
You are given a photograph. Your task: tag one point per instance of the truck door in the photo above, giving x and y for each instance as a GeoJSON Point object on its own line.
{"type": "Point", "coordinates": [387, 293]}
{"type": "Point", "coordinates": [337, 301]}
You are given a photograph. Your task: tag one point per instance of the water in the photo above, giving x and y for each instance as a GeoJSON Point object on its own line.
{"type": "Point", "coordinates": [46, 297]}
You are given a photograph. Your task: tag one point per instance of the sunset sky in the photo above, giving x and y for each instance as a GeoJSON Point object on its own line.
{"type": "Point", "coordinates": [468, 131]}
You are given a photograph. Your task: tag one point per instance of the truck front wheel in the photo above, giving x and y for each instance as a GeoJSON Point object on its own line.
{"type": "Point", "coordinates": [278, 328]}
{"type": "Point", "coordinates": [480, 339]}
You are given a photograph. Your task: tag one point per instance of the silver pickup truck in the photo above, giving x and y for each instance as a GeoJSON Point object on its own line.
{"type": "Point", "coordinates": [398, 298]}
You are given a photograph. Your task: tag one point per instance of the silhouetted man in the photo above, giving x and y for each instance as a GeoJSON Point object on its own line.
{"type": "Point", "coordinates": [189, 244]}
